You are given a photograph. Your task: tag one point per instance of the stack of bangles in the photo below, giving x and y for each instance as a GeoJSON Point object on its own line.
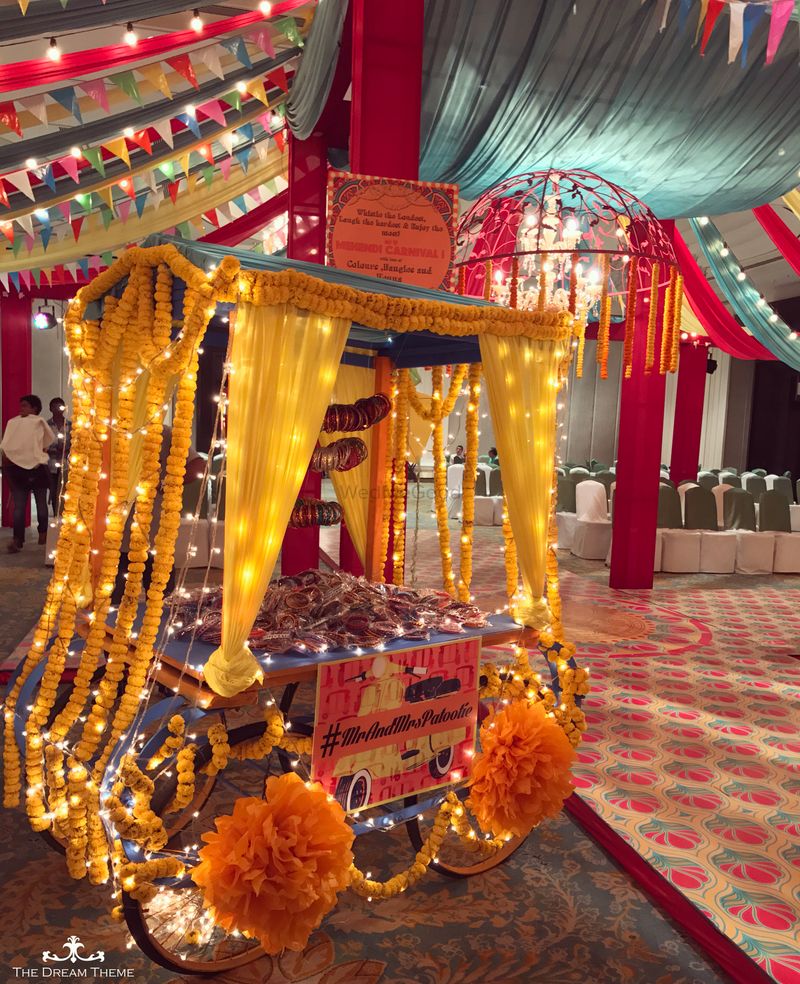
{"type": "Point", "coordinates": [341, 455]}
{"type": "Point", "coordinates": [358, 416]}
{"type": "Point", "coordinates": [315, 512]}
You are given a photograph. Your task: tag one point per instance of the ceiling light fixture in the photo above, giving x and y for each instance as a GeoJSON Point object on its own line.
{"type": "Point", "coordinates": [44, 318]}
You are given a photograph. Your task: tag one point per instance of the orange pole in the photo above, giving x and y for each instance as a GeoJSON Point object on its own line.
{"type": "Point", "coordinates": [377, 464]}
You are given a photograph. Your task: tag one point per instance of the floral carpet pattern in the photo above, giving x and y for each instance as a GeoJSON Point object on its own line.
{"type": "Point", "coordinates": [693, 756]}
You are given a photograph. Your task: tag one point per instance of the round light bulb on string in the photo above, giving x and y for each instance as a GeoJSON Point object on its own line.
{"type": "Point", "coordinates": [265, 7]}
{"type": "Point", "coordinates": [53, 51]}
{"type": "Point", "coordinates": [241, 86]}
{"type": "Point", "coordinates": [196, 23]}
{"type": "Point", "coordinates": [724, 251]}
{"type": "Point", "coordinates": [128, 132]}
{"type": "Point", "coordinates": [129, 37]}
{"type": "Point", "coordinates": [190, 109]}
{"type": "Point", "coordinates": [741, 275]}
{"type": "Point", "coordinates": [30, 163]}
{"type": "Point", "coordinates": [76, 152]}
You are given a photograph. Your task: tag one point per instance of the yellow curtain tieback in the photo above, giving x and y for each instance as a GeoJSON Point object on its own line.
{"type": "Point", "coordinates": [533, 613]}
{"type": "Point", "coordinates": [231, 673]}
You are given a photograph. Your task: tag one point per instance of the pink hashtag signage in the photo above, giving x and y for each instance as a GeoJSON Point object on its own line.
{"type": "Point", "coordinates": [393, 724]}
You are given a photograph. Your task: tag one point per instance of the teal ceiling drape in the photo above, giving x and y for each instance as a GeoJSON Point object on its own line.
{"type": "Point", "coordinates": [520, 85]}
{"type": "Point", "coordinates": [747, 304]}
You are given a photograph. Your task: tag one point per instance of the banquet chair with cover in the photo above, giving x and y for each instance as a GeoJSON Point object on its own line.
{"type": "Point", "coordinates": [717, 549]}
{"type": "Point", "coordinates": [773, 515]}
{"type": "Point", "coordinates": [579, 474]}
{"type": "Point", "coordinates": [666, 481]}
{"type": "Point", "coordinates": [719, 496]}
{"type": "Point", "coordinates": [729, 470]}
{"type": "Point", "coordinates": [680, 552]}
{"type": "Point", "coordinates": [779, 483]}
{"type": "Point", "coordinates": [683, 488]}
{"type": "Point", "coordinates": [565, 511]}
{"type": "Point", "coordinates": [592, 537]}
{"type": "Point", "coordinates": [754, 551]}
{"type": "Point", "coordinates": [455, 484]}
{"type": "Point", "coordinates": [489, 510]}
{"type": "Point", "coordinates": [495, 482]}
{"type": "Point", "coordinates": [760, 472]}
{"type": "Point", "coordinates": [607, 479]}
{"type": "Point", "coordinates": [707, 479]}
{"type": "Point", "coordinates": [755, 485]}
{"type": "Point", "coordinates": [483, 459]}
{"type": "Point", "coordinates": [192, 544]}
{"type": "Point", "coordinates": [735, 481]}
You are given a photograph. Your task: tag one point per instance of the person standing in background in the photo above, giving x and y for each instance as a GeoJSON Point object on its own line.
{"type": "Point", "coordinates": [459, 457]}
{"type": "Point", "coordinates": [58, 452]}
{"type": "Point", "coordinates": [494, 461]}
{"type": "Point", "coordinates": [24, 446]}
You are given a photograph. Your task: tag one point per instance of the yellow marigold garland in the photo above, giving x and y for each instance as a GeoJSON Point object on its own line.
{"type": "Point", "coordinates": [604, 324]}
{"type": "Point", "coordinates": [677, 315]}
{"type": "Point", "coordinates": [400, 479]}
{"type": "Point", "coordinates": [510, 557]}
{"type": "Point", "coordinates": [630, 316]}
{"type": "Point", "coordinates": [667, 321]}
{"type": "Point", "coordinates": [468, 485]}
{"type": "Point", "coordinates": [652, 317]}
{"type": "Point", "coordinates": [172, 743]}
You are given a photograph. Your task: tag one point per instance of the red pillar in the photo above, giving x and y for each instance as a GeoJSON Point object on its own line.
{"type": "Point", "coordinates": [641, 421]}
{"type": "Point", "coordinates": [15, 358]}
{"type": "Point", "coordinates": [386, 100]}
{"type": "Point", "coordinates": [688, 413]}
{"type": "Point", "coordinates": [308, 163]}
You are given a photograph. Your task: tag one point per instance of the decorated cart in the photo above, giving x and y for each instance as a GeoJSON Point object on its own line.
{"type": "Point", "coordinates": [220, 754]}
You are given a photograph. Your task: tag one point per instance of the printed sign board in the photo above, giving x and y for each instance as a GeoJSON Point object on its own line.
{"type": "Point", "coordinates": [396, 230]}
{"type": "Point", "coordinates": [396, 723]}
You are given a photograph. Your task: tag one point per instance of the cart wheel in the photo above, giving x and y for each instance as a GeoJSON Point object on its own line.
{"type": "Point", "coordinates": [159, 927]}
{"type": "Point", "coordinates": [456, 861]}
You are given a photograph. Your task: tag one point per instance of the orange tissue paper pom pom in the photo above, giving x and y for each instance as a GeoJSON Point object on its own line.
{"type": "Point", "coordinates": [273, 867]}
{"type": "Point", "coordinates": [522, 774]}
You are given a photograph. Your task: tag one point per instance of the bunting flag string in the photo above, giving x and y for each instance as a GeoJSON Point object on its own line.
{"type": "Point", "coordinates": [743, 18]}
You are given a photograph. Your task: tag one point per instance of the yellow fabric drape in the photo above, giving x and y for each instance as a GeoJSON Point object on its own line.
{"type": "Point", "coordinates": [522, 383]}
{"type": "Point", "coordinates": [352, 487]}
{"type": "Point", "coordinates": [284, 364]}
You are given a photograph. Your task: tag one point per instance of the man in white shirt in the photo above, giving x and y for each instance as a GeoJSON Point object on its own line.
{"type": "Point", "coordinates": [24, 446]}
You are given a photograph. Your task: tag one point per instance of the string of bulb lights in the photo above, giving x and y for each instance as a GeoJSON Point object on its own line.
{"type": "Point", "coordinates": [131, 39]}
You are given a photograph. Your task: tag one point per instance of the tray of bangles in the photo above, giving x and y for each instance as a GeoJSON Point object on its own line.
{"type": "Point", "coordinates": [317, 611]}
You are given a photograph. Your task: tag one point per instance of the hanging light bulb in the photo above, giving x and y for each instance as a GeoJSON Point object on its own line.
{"type": "Point", "coordinates": [76, 152]}
{"type": "Point", "coordinates": [129, 37]}
{"type": "Point", "coordinates": [196, 23]}
{"type": "Point", "coordinates": [265, 7]}
{"type": "Point", "coordinates": [30, 163]}
{"type": "Point", "coordinates": [128, 132]}
{"type": "Point", "coordinates": [54, 52]}
{"type": "Point", "coordinates": [241, 86]}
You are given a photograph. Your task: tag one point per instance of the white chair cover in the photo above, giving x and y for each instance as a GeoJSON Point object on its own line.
{"type": "Point", "coordinates": [497, 500]}
{"type": "Point", "coordinates": [794, 517]}
{"type": "Point", "coordinates": [717, 552]}
{"type": "Point", "coordinates": [566, 523]}
{"type": "Point", "coordinates": [682, 493]}
{"type": "Point", "coordinates": [484, 510]}
{"type": "Point", "coordinates": [455, 478]}
{"type": "Point", "coordinates": [680, 553]}
{"type": "Point", "coordinates": [719, 494]}
{"type": "Point", "coordinates": [591, 504]}
{"type": "Point", "coordinates": [755, 552]}
{"type": "Point", "coordinates": [787, 553]}
{"type": "Point", "coordinates": [192, 545]}
{"type": "Point", "coordinates": [770, 480]}
{"type": "Point", "coordinates": [745, 475]}
{"type": "Point", "coordinates": [454, 500]}
{"type": "Point", "coordinates": [482, 480]}
{"type": "Point", "coordinates": [592, 539]}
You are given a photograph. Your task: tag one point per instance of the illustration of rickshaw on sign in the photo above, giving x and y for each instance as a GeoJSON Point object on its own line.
{"type": "Point", "coordinates": [390, 691]}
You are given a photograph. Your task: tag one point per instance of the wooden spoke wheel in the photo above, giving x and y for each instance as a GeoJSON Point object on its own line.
{"type": "Point", "coordinates": [160, 927]}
